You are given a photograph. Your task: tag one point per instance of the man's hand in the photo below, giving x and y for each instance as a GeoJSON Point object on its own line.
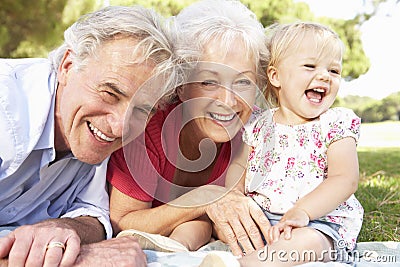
{"type": "Point", "coordinates": [27, 245]}
{"type": "Point", "coordinates": [123, 251]}
{"type": "Point", "coordinates": [238, 219]}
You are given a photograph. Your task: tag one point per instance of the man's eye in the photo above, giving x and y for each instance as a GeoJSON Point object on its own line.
{"type": "Point", "coordinates": [111, 94]}
{"type": "Point", "coordinates": [310, 66]}
{"type": "Point", "coordinates": [109, 97]}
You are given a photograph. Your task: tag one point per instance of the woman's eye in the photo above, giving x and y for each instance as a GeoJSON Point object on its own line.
{"type": "Point", "coordinates": [140, 111]}
{"type": "Point", "coordinates": [143, 111]}
{"type": "Point", "coordinates": [309, 66]}
{"type": "Point", "coordinates": [243, 85]}
{"type": "Point", "coordinates": [209, 83]}
{"type": "Point", "coordinates": [244, 82]}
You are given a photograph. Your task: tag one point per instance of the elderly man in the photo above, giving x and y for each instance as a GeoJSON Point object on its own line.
{"type": "Point", "coordinates": [60, 119]}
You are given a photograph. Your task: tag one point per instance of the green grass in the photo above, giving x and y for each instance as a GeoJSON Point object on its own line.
{"type": "Point", "coordinates": [379, 186]}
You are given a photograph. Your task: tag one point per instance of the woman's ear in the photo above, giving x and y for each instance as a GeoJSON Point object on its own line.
{"type": "Point", "coordinates": [64, 67]}
{"type": "Point", "coordinates": [180, 91]}
{"type": "Point", "coordinates": [273, 76]}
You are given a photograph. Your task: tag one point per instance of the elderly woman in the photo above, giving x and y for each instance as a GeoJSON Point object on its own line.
{"type": "Point", "coordinates": [191, 141]}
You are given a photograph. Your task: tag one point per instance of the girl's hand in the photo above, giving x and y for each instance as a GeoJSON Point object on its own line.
{"type": "Point", "coordinates": [293, 218]}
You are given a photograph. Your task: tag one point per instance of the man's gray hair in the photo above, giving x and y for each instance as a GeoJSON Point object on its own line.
{"type": "Point", "coordinates": [85, 36]}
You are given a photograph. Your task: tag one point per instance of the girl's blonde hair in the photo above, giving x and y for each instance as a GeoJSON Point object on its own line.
{"type": "Point", "coordinates": [284, 39]}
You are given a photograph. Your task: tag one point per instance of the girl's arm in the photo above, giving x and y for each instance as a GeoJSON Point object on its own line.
{"type": "Point", "coordinates": [342, 182]}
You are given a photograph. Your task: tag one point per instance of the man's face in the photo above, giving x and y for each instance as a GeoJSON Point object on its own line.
{"type": "Point", "coordinates": [92, 103]}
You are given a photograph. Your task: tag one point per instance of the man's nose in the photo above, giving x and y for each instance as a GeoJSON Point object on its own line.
{"type": "Point", "coordinates": [116, 121]}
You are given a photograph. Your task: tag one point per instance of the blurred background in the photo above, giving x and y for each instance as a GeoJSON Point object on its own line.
{"type": "Point", "coordinates": [368, 27]}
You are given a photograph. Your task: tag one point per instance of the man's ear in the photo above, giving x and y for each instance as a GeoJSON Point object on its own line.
{"type": "Point", "coordinates": [273, 76]}
{"type": "Point", "coordinates": [64, 67]}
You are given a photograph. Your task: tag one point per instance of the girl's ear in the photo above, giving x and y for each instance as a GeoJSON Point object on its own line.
{"type": "Point", "coordinates": [64, 67]}
{"type": "Point", "coordinates": [273, 76]}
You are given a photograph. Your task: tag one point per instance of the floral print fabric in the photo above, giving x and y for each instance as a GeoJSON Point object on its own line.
{"type": "Point", "coordinates": [289, 161]}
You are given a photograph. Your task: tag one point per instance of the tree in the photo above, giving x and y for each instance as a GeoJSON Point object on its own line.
{"type": "Point", "coordinates": [33, 28]}
{"type": "Point", "coordinates": [372, 110]}
{"type": "Point", "coordinates": [28, 22]}
{"type": "Point", "coordinates": [164, 7]}
{"type": "Point", "coordinates": [390, 107]}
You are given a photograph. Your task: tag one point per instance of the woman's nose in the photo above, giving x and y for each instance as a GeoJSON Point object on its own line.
{"type": "Point", "coordinates": [228, 97]}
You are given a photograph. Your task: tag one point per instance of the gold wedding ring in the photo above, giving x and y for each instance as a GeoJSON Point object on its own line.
{"type": "Point", "coordinates": [56, 244]}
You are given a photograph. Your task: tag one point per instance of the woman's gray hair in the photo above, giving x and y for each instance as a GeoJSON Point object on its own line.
{"type": "Point", "coordinates": [85, 36]}
{"type": "Point", "coordinates": [225, 21]}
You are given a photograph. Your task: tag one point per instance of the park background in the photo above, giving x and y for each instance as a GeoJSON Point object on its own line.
{"type": "Point", "coordinates": [370, 86]}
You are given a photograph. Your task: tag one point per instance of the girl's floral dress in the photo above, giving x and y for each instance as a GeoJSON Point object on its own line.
{"type": "Point", "coordinates": [287, 162]}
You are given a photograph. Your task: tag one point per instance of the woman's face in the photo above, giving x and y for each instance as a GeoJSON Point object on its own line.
{"type": "Point", "coordinates": [220, 94]}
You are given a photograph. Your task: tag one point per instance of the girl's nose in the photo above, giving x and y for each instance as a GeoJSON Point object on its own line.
{"type": "Point", "coordinates": [323, 75]}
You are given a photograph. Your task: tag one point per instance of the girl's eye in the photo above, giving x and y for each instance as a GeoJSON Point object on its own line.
{"type": "Point", "coordinates": [335, 71]}
{"type": "Point", "coordinates": [310, 66]}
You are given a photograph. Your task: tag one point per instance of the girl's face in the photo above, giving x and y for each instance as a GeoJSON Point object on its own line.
{"type": "Point", "coordinates": [220, 94]}
{"type": "Point", "coordinates": [307, 79]}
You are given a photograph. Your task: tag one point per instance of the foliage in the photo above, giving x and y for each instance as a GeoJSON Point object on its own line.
{"type": "Point", "coordinates": [379, 193]}
{"type": "Point", "coordinates": [32, 28]}
{"type": "Point", "coordinates": [355, 62]}
{"type": "Point", "coordinates": [164, 7]}
{"type": "Point", "coordinates": [372, 110]}
{"type": "Point", "coordinates": [28, 23]}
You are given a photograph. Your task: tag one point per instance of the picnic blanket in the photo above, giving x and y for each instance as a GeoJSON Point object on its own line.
{"type": "Point", "coordinates": [367, 254]}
